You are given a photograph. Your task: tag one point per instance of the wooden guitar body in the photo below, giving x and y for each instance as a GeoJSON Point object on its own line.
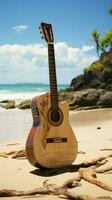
{"type": "Point", "coordinates": [50, 144]}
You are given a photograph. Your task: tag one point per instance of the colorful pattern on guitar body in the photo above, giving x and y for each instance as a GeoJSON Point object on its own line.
{"type": "Point", "coordinates": [43, 109]}
{"type": "Point", "coordinates": [33, 132]}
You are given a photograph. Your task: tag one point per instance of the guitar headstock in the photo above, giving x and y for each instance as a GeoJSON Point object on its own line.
{"type": "Point", "coordinates": [46, 32]}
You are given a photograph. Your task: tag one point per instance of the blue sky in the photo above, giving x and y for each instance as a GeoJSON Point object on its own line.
{"type": "Point", "coordinates": [23, 55]}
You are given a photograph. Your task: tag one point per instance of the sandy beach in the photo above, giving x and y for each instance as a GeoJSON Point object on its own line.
{"type": "Point", "coordinates": [93, 130]}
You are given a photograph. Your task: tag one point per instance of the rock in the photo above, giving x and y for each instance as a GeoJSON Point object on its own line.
{"type": "Point", "coordinates": [9, 105]}
{"type": "Point", "coordinates": [66, 96]}
{"type": "Point", "coordinates": [4, 101]}
{"type": "Point", "coordinates": [25, 104]}
{"type": "Point", "coordinates": [105, 100]}
{"type": "Point", "coordinates": [84, 98]}
{"type": "Point", "coordinates": [98, 127]}
{"type": "Point", "coordinates": [77, 82]}
{"type": "Point", "coordinates": [87, 99]}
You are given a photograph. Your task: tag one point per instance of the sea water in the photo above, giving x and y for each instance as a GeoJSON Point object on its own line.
{"type": "Point", "coordinates": [19, 92]}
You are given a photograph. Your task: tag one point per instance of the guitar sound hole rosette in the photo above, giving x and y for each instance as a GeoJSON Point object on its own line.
{"type": "Point", "coordinates": [55, 122]}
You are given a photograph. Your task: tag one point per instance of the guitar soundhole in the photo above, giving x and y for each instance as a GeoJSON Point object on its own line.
{"type": "Point", "coordinates": [55, 117]}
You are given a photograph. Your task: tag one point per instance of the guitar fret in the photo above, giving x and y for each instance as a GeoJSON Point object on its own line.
{"type": "Point", "coordinates": [53, 87]}
{"type": "Point", "coordinates": [53, 73]}
{"type": "Point", "coordinates": [53, 81]}
{"type": "Point", "coordinates": [54, 94]}
{"type": "Point", "coordinates": [54, 100]}
{"type": "Point", "coordinates": [54, 97]}
{"type": "Point", "coordinates": [51, 63]}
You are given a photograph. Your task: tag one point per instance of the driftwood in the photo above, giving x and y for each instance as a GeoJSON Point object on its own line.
{"type": "Point", "coordinates": [17, 154]}
{"type": "Point", "coordinates": [87, 171]}
{"type": "Point", "coordinates": [107, 169]}
{"type": "Point", "coordinates": [46, 189]}
{"type": "Point", "coordinates": [12, 144]}
{"type": "Point", "coordinates": [72, 196]}
{"type": "Point", "coordinates": [106, 149]}
{"type": "Point", "coordinates": [95, 161]}
{"type": "Point", "coordinates": [3, 154]}
{"type": "Point", "coordinates": [89, 174]}
{"type": "Point", "coordinates": [81, 152]}
{"type": "Point", "coordinates": [14, 154]}
{"type": "Point", "coordinates": [50, 189]}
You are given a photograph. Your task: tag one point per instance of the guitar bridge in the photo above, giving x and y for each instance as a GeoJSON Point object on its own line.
{"type": "Point", "coordinates": [56, 140]}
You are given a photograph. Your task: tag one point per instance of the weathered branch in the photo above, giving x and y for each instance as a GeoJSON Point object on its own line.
{"type": "Point", "coordinates": [107, 169]}
{"type": "Point", "coordinates": [106, 149]}
{"type": "Point", "coordinates": [46, 189]}
{"type": "Point", "coordinates": [14, 154]}
{"type": "Point", "coordinates": [89, 174]}
{"type": "Point", "coordinates": [72, 196]}
{"type": "Point", "coordinates": [50, 189]}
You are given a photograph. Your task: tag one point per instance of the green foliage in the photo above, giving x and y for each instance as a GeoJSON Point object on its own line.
{"type": "Point", "coordinates": [95, 35]}
{"type": "Point", "coordinates": [104, 44]}
{"type": "Point", "coordinates": [95, 66]}
{"type": "Point", "coordinates": [106, 41]}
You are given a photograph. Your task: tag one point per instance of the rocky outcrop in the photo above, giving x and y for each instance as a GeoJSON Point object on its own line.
{"type": "Point", "coordinates": [105, 99]}
{"type": "Point", "coordinates": [98, 75]}
{"type": "Point", "coordinates": [87, 99]}
{"type": "Point", "coordinates": [93, 88]}
{"type": "Point", "coordinates": [24, 104]}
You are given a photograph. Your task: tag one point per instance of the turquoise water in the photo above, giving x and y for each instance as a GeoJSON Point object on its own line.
{"type": "Point", "coordinates": [19, 92]}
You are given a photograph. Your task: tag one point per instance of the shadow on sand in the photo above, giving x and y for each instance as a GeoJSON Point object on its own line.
{"type": "Point", "coordinates": [53, 172]}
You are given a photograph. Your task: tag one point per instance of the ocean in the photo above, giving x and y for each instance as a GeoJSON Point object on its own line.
{"type": "Point", "coordinates": [22, 91]}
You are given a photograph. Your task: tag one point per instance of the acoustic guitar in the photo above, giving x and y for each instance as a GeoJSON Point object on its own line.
{"type": "Point", "coordinates": [51, 142]}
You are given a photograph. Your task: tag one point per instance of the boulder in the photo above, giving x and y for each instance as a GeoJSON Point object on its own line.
{"type": "Point", "coordinates": [9, 105]}
{"type": "Point", "coordinates": [87, 97]}
{"type": "Point", "coordinates": [25, 104]}
{"type": "Point", "coordinates": [78, 82]}
{"type": "Point", "coordinates": [105, 100]}
{"type": "Point", "coordinates": [4, 101]}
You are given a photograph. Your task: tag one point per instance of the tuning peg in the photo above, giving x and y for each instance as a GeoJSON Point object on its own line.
{"type": "Point", "coordinates": [41, 32]}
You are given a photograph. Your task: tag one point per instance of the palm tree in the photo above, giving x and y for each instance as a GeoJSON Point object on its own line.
{"type": "Point", "coordinates": [95, 37]}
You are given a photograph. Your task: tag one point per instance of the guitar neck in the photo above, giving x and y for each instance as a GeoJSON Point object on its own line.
{"type": "Point", "coordinates": [52, 77]}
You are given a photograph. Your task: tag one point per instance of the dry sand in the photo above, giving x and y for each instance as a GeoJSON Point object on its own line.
{"type": "Point", "coordinates": [18, 174]}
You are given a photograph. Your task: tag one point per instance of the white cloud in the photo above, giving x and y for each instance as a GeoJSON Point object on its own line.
{"type": "Point", "coordinates": [20, 28]}
{"type": "Point", "coordinates": [73, 57]}
{"type": "Point", "coordinates": [86, 48]}
{"type": "Point", "coordinates": [22, 63]}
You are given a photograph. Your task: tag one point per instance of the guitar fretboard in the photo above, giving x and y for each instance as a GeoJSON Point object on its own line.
{"type": "Point", "coordinates": [52, 76]}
